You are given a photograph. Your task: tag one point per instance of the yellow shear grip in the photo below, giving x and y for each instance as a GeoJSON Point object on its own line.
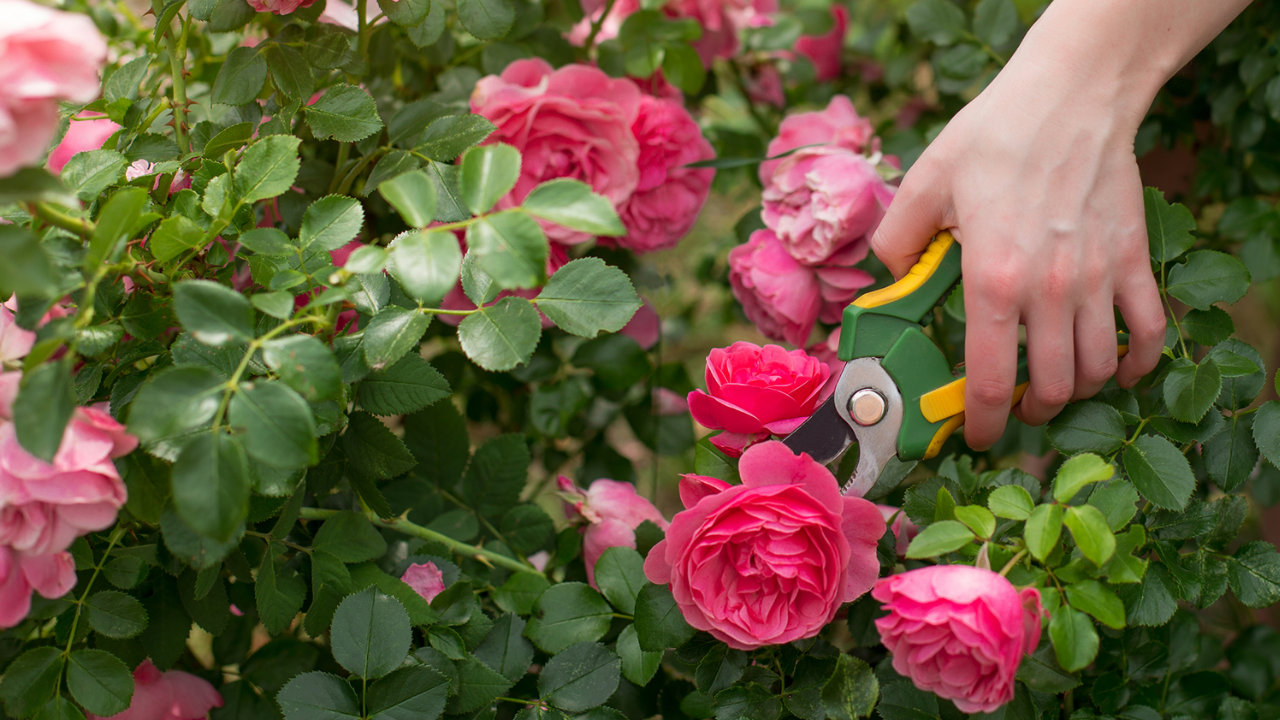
{"type": "Point", "coordinates": [955, 421]}
{"type": "Point", "coordinates": [921, 271]}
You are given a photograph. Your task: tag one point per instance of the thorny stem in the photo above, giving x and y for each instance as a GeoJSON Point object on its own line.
{"type": "Point", "coordinates": [57, 218]}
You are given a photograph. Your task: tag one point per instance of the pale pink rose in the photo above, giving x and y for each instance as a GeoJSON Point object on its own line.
{"type": "Point", "coordinates": [645, 327]}
{"type": "Point", "coordinates": [754, 392]}
{"type": "Point", "coordinates": [44, 507]}
{"type": "Point", "coordinates": [771, 560]}
{"type": "Point", "coordinates": [456, 298]}
{"type": "Point", "coordinates": [539, 560]}
{"type": "Point", "coordinates": [425, 579]}
{"type": "Point", "coordinates": [838, 125]}
{"type": "Point", "coordinates": [721, 21]}
{"type": "Point", "coordinates": [669, 195]}
{"type": "Point", "coordinates": [9, 383]}
{"type": "Point", "coordinates": [46, 56]}
{"type": "Point", "coordinates": [343, 14]}
{"type": "Point", "coordinates": [778, 294]}
{"type": "Point", "coordinates": [15, 342]}
{"type": "Point", "coordinates": [668, 403]}
{"type": "Point", "coordinates": [279, 7]}
{"type": "Point", "coordinates": [819, 200]}
{"type": "Point", "coordinates": [591, 10]}
{"type": "Point", "coordinates": [82, 135]}
{"type": "Point", "coordinates": [172, 695]}
{"type": "Point", "coordinates": [764, 84]}
{"type": "Point", "coordinates": [139, 168]}
{"type": "Point", "coordinates": [826, 52]}
{"type": "Point", "coordinates": [573, 122]}
{"type": "Point", "coordinates": [903, 529]}
{"type": "Point", "coordinates": [51, 575]}
{"type": "Point", "coordinates": [959, 632]}
{"type": "Point", "coordinates": [612, 511]}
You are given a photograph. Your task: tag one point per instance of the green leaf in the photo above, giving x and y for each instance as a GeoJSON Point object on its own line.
{"type": "Point", "coordinates": [682, 67]}
{"type": "Point", "coordinates": [1266, 431]}
{"type": "Point", "coordinates": [448, 137]}
{"type": "Point", "coordinates": [350, 537]}
{"type": "Point", "coordinates": [587, 296]}
{"type": "Point", "coordinates": [1078, 473]}
{"type": "Point", "coordinates": [31, 680]}
{"type": "Point", "coordinates": [505, 649]}
{"type": "Point", "coordinates": [306, 365]}
{"type": "Point", "coordinates": [42, 409]}
{"type": "Point", "coordinates": [227, 139]}
{"type": "Point", "coordinates": [370, 634]}
{"type": "Point", "coordinates": [1190, 389]}
{"type": "Point", "coordinates": [1012, 502]}
{"type": "Point", "coordinates": [268, 241]}
{"type": "Point", "coordinates": [277, 425]}
{"type": "Point", "coordinates": [497, 475]}
{"type": "Point", "coordinates": [580, 677]}
{"type": "Point", "coordinates": [1118, 502]}
{"type": "Point", "coordinates": [1074, 639]}
{"type": "Point", "coordinates": [410, 693]}
{"type": "Point", "coordinates": [241, 77]}
{"type": "Point", "coordinates": [1208, 327]}
{"type": "Point", "coordinates": [939, 538]}
{"type": "Point", "coordinates": [658, 620]}
{"type": "Point", "coordinates": [978, 519]}
{"type": "Point", "coordinates": [937, 21]}
{"type": "Point", "coordinates": [1230, 456]}
{"type": "Point", "coordinates": [60, 707]}
{"type": "Point", "coordinates": [487, 174]}
{"type": "Point", "coordinates": [373, 450]}
{"type": "Point", "coordinates": [638, 666]}
{"type": "Point", "coordinates": [1239, 392]}
{"type": "Point", "coordinates": [99, 681]}
{"type": "Point", "coordinates": [392, 333]}
{"type": "Point", "coordinates": [115, 224]}
{"type": "Point", "coordinates": [1160, 472]}
{"type": "Point", "coordinates": [268, 168]}
{"type": "Point", "coordinates": [619, 573]}
{"type": "Point", "coordinates": [567, 614]}
{"type": "Point", "coordinates": [1254, 574]}
{"type": "Point", "coordinates": [345, 113]}
{"type": "Point", "coordinates": [426, 264]}
{"type": "Point", "coordinates": [173, 403]}
{"type": "Point", "coordinates": [319, 696]}
{"type": "Point", "coordinates": [26, 269]}
{"type": "Point", "coordinates": [290, 71]}
{"type": "Point", "coordinates": [1094, 598]}
{"type": "Point", "coordinates": [215, 314]}
{"type": "Point", "coordinates": [487, 19]}
{"type": "Point", "coordinates": [519, 593]}
{"type": "Point", "coordinates": [1169, 227]}
{"type": "Point", "coordinates": [511, 248]}
{"type": "Point", "coordinates": [88, 173]}
{"type": "Point", "coordinates": [477, 686]}
{"type": "Point", "coordinates": [1207, 277]}
{"type": "Point", "coordinates": [1087, 427]}
{"type": "Point", "coordinates": [331, 222]}
{"type": "Point", "coordinates": [1150, 603]}
{"type": "Point", "coordinates": [720, 668]}
{"type": "Point", "coordinates": [501, 336]}
{"type": "Point", "coordinates": [408, 386]}
{"type": "Point", "coordinates": [34, 185]}
{"type": "Point", "coordinates": [175, 236]}
{"type": "Point", "coordinates": [852, 690]}
{"type": "Point", "coordinates": [750, 701]}
{"type": "Point", "coordinates": [115, 614]}
{"type": "Point", "coordinates": [1233, 365]}
{"type": "Point", "coordinates": [1091, 532]}
{"type": "Point", "coordinates": [995, 21]}
{"type": "Point", "coordinates": [571, 204]}
{"type": "Point", "coordinates": [413, 195]}
{"type": "Point", "coordinates": [211, 485]}
{"type": "Point", "coordinates": [1043, 530]}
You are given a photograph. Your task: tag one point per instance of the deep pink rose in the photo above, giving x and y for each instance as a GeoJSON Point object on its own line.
{"type": "Point", "coordinates": [764, 84]}
{"type": "Point", "coordinates": [820, 200]}
{"type": "Point", "coordinates": [645, 327]}
{"type": "Point", "coordinates": [669, 195]}
{"type": "Point", "coordinates": [959, 632]}
{"type": "Point", "coordinates": [15, 342]}
{"type": "Point", "coordinates": [903, 529]}
{"type": "Point", "coordinates": [456, 298]}
{"type": "Point", "coordinates": [771, 560]}
{"type": "Point", "coordinates": [754, 392]}
{"type": "Point", "coordinates": [279, 7]}
{"type": "Point", "coordinates": [51, 575]}
{"type": "Point", "coordinates": [826, 352]}
{"type": "Point", "coordinates": [612, 510]}
{"type": "Point", "coordinates": [82, 135]}
{"type": "Point", "coordinates": [838, 125]}
{"type": "Point", "coordinates": [44, 507]}
{"type": "Point", "coordinates": [574, 122]}
{"type": "Point", "coordinates": [45, 56]}
{"type": "Point", "coordinates": [721, 21]}
{"type": "Point", "coordinates": [425, 579]}
{"type": "Point", "coordinates": [826, 52]}
{"type": "Point", "coordinates": [172, 695]}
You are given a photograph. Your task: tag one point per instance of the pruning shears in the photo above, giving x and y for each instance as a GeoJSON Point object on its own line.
{"type": "Point", "coordinates": [898, 395]}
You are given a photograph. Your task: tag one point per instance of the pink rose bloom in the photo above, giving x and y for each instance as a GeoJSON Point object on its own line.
{"type": "Point", "coordinates": [826, 52]}
{"type": "Point", "coordinates": [959, 632]}
{"type": "Point", "coordinates": [45, 56]}
{"type": "Point", "coordinates": [456, 298]}
{"type": "Point", "coordinates": [669, 195]}
{"type": "Point", "coordinates": [764, 85]}
{"type": "Point", "coordinates": [425, 579]}
{"type": "Point", "coordinates": [343, 14]}
{"type": "Point", "coordinates": [15, 342]}
{"type": "Point", "coordinates": [612, 510]}
{"type": "Point", "coordinates": [44, 507]}
{"type": "Point", "coordinates": [574, 122]}
{"type": "Point", "coordinates": [820, 200]}
{"type": "Point", "coordinates": [771, 560]}
{"type": "Point", "coordinates": [754, 392]}
{"type": "Point", "coordinates": [903, 529]}
{"type": "Point", "coordinates": [826, 352]}
{"type": "Point", "coordinates": [721, 21]}
{"type": "Point", "coordinates": [838, 125]}
{"type": "Point", "coordinates": [591, 10]}
{"type": "Point", "coordinates": [279, 7]}
{"type": "Point", "coordinates": [82, 135]}
{"type": "Point", "coordinates": [657, 86]}
{"type": "Point", "coordinates": [645, 327]}
{"type": "Point", "coordinates": [172, 695]}
{"type": "Point", "coordinates": [667, 402]}
{"type": "Point", "coordinates": [139, 168]}
{"type": "Point", "coordinates": [50, 575]}
{"type": "Point", "coordinates": [839, 281]}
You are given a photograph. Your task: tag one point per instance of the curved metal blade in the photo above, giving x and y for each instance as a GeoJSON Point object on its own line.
{"type": "Point", "coordinates": [824, 436]}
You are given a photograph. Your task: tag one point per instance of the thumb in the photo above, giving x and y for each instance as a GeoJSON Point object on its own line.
{"type": "Point", "coordinates": [918, 211]}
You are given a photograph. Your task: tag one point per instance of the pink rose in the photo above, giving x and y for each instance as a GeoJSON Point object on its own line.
{"type": "Point", "coordinates": [826, 352]}
{"type": "Point", "coordinates": [139, 168]}
{"type": "Point", "coordinates": [764, 84]}
{"type": "Point", "coordinates": [44, 507]}
{"type": "Point", "coordinates": [425, 579]}
{"type": "Point", "coordinates": [15, 342]}
{"type": "Point", "coordinates": [838, 125]}
{"type": "Point", "coordinates": [903, 529]}
{"type": "Point", "coordinates": [645, 327]}
{"type": "Point", "coordinates": [721, 21]}
{"type": "Point", "coordinates": [45, 56]}
{"type": "Point", "coordinates": [591, 11]}
{"type": "Point", "coordinates": [612, 511]}
{"type": "Point", "coordinates": [771, 560]}
{"type": "Point", "coordinates": [667, 402]}
{"type": "Point", "coordinates": [820, 200]}
{"type": "Point", "coordinates": [343, 14]}
{"type": "Point", "coordinates": [669, 195]}
{"type": "Point", "coordinates": [279, 7]}
{"type": "Point", "coordinates": [51, 575]}
{"type": "Point", "coordinates": [754, 392]}
{"type": "Point", "coordinates": [826, 52]}
{"type": "Point", "coordinates": [574, 122]}
{"type": "Point", "coordinates": [959, 632]}
{"type": "Point", "coordinates": [172, 695]}
{"type": "Point", "coordinates": [82, 135]}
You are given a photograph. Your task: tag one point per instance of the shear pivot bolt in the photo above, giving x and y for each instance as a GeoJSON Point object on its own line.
{"type": "Point", "coordinates": [867, 407]}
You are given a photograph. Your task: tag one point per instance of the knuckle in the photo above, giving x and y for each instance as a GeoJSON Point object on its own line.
{"type": "Point", "coordinates": [1098, 372]}
{"type": "Point", "coordinates": [1055, 392]}
{"type": "Point", "coordinates": [989, 391]}
{"type": "Point", "coordinates": [1000, 284]}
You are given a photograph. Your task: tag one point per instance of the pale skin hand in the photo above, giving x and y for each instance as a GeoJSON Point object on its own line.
{"type": "Point", "coordinates": [1038, 181]}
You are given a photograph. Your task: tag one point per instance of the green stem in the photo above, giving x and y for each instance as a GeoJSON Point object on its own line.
{"type": "Point", "coordinates": [408, 528]}
{"type": "Point", "coordinates": [177, 52]}
{"type": "Point", "coordinates": [595, 27]}
{"type": "Point", "coordinates": [57, 218]}
{"type": "Point", "coordinates": [345, 186]}
{"type": "Point", "coordinates": [255, 345]}
{"type": "Point", "coordinates": [362, 30]}
{"type": "Point", "coordinates": [1004, 571]}
{"type": "Point", "coordinates": [344, 149]}
{"type": "Point", "coordinates": [75, 620]}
